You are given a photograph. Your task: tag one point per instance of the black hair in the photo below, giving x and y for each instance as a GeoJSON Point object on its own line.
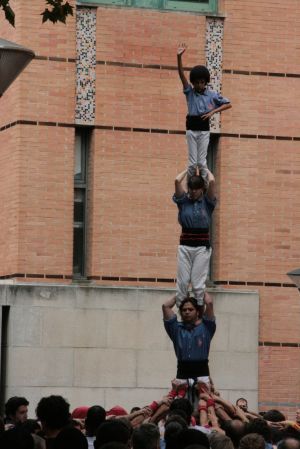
{"type": "Point", "coordinates": [241, 399]}
{"type": "Point", "coordinates": [274, 416]}
{"type": "Point", "coordinates": [183, 404]}
{"type": "Point", "coordinates": [199, 72]}
{"type": "Point", "coordinates": [194, 303]}
{"type": "Point", "coordinates": [173, 415]}
{"type": "Point", "coordinates": [13, 404]}
{"type": "Point", "coordinates": [114, 445]}
{"type": "Point", "coordinates": [261, 427]}
{"type": "Point", "coordinates": [54, 411]}
{"type": "Point", "coordinates": [235, 430]}
{"type": "Point", "coordinates": [192, 436]}
{"type": "Point", "coordinates": [95, 416]}
{"type": "Point", "coordinates": [31, 425]}
{"type": "Point", "coordinates": [112, 430]}
{"type": "Point", "coordinates": [16, 438]}
{"type": "Point", "coordinates": [172, 430]}
{"type": "Point", "coordinates": [145, 437]}
{"type": "Point", "coordinates": [196, 182]}
{"type": "Point", "coordinates": [71, 438]}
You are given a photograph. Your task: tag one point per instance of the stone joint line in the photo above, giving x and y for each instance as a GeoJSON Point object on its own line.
{"type": "Point", "coordinates": [146, 130]}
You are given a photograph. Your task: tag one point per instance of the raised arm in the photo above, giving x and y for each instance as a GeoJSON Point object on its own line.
{"type": "Point", "coordinates": [179, 189]}
{"type": "Point", "coordinates": [211, 191]}
{"type": "Point", "coordinates": [167, 308]}
{"type": "Point", "coordinates": [181, 49]}
{"type": "Point", "coordinates": [209, 306]}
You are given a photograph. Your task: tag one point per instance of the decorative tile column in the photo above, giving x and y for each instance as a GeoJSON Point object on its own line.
{"type": "Point", "coordinates": [214, 59]}
{"type": "Point", "coordinates": [85, 66]}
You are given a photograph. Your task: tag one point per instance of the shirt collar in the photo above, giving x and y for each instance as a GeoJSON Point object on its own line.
{"type": "Point", "coordinates": [205, 92]}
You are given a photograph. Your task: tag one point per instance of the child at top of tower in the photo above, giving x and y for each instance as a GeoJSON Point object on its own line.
{"type": "Point", "coordinates": [202, 104]}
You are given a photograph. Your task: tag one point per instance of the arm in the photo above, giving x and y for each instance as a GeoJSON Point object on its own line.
{"type": "Point", "coordinates": [209, 306]}
{"type": "Point", "coordinates": [221, 108]}
{"type": "Point", "coordinates": [181, 49]}
{"type": "Point", "coordinates": [167, 308]}
{"type": "Point", "coordinates": [211, 191]}
{"type": "Point", "coordinates": [179, 189]}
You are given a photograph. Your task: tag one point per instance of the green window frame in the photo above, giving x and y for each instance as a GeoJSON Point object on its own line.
{"type": "Point", "coordinates": [200, 6]}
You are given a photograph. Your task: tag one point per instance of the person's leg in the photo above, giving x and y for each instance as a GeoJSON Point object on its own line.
{"type": "Point", "coordinates": [199, 272]}
{"type": "Point", "coordinates": [202, 146]}
{"type": "Point", "coordinates": [184, 266]}
{"type": "Point", "coordinates": [191, 138]}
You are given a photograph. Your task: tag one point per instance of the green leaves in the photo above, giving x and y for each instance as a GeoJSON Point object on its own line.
{"type": "Point", "coordinates": [55, 11]}
{"type": "Point", "coordinates": [58, 12]}
{"type": "Point", "coordinates": [9, 14]}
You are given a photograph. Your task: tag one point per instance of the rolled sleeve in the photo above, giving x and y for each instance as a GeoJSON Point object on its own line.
{"type": "Point", "coordinates": [210, 325]}
{"type": "Point", "coordinates": [187, 90]}
{"type": "Point", "coordinates": [180, 200]}
{"type": "Point", "coordinates": [219, 100]}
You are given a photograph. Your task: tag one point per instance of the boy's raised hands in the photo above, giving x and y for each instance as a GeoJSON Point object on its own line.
{"type": "Point", "coordinates": [181, 49]}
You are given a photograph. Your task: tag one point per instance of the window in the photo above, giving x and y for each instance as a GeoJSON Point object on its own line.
{"type": "Point", "coordinates": [202, 6]}
{"type": "Point", "coordinates": [211, 163]}
{"type": "Point", "coordinates": [82, 139]}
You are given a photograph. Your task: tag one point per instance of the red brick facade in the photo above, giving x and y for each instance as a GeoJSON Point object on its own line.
{"type": "Point", "coordinates": [132, 228]}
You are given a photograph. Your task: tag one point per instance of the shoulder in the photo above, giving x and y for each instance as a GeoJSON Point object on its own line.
{"type": "Point", "coordinates": [210, 200]}
{"type": "Point", "coordinates": [188, 90]}
{"type": "Point", "coordinates": [181, 199]}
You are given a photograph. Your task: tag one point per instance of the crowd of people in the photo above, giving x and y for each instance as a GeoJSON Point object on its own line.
{"type": "Point", "coordinates": [171, 423]}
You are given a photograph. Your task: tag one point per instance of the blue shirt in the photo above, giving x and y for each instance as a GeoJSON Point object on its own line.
{"type": "Point", "coordinates": [194, 214]}
{"type": "Point", "coordinates": [199, 104]}
{"type": "Point", "coordinates": [191, 343]}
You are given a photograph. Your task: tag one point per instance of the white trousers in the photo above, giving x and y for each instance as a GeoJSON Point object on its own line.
{"type": "Point", "coordinates": [197, 142]}
{"type": "Point", "coordinates": [192, 267]}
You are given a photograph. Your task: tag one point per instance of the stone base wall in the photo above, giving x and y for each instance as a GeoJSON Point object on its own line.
{"type": "Point", "coordinates": [107, 346]}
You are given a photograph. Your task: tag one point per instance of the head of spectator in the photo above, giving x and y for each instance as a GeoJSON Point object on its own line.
{"type": "Point", "coordinates": [16, 410]}
{"type": "Point", "coordinates": [183, 404]}
{"type": "Point", "coordinates": [172, 430]}
{"type": "Point", "coordinates": [242, 403]}
{"type": "Point", "coordinates": [252, 441]}
{"type": "Point", "coordinates": [70, 438]}
{"type": "Point", "coordinates": [112, 431]}
{"type": "Point", "coordinates": [190, 437]}
{"type": "Point", "coordinates": [31, 426]}
{"type": "Point", "coordinates": [95, 416]}
{"type": "Point", "coordinates": [289, 443]}
{"type": "Point", "coordinates": [146, 437]}
{"type": "Point", "coordinates": [114, 445]}
{"type": "Point", "coordinates": [117, 410]}
{"type": "Point", "coordinates": [219, 441]}
{"type": "Point", "coordinates": [298, 416]}
{"type": "Point", "coordinates": [235, 430]}
{"type": "Point", "coordinates": [79, 412]}
{"type": "Point", "coordinates": [195, 446]}
{"type": "Point", "coordinates": [54, 414]}
{"type": "Point", "coordinates": [180, 418]}
{"type": "Point", "coordinates": [173, 415]}
{"type": "Point", "coordinates": [274, 416]}
{"type": "Point", "coordinates": [16, 438]}
{"type": "Point", "coordinates": [261, 427]}
{"type": "Point", "coordinates": [135, 409]}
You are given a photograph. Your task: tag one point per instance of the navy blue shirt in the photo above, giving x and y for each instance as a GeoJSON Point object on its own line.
{"type": "Point", "coordinates": [191, 343]}
{"type": "Point", "coordinates": [194, 214]}
{"type": "Point", "coordinates": [199, 104]}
